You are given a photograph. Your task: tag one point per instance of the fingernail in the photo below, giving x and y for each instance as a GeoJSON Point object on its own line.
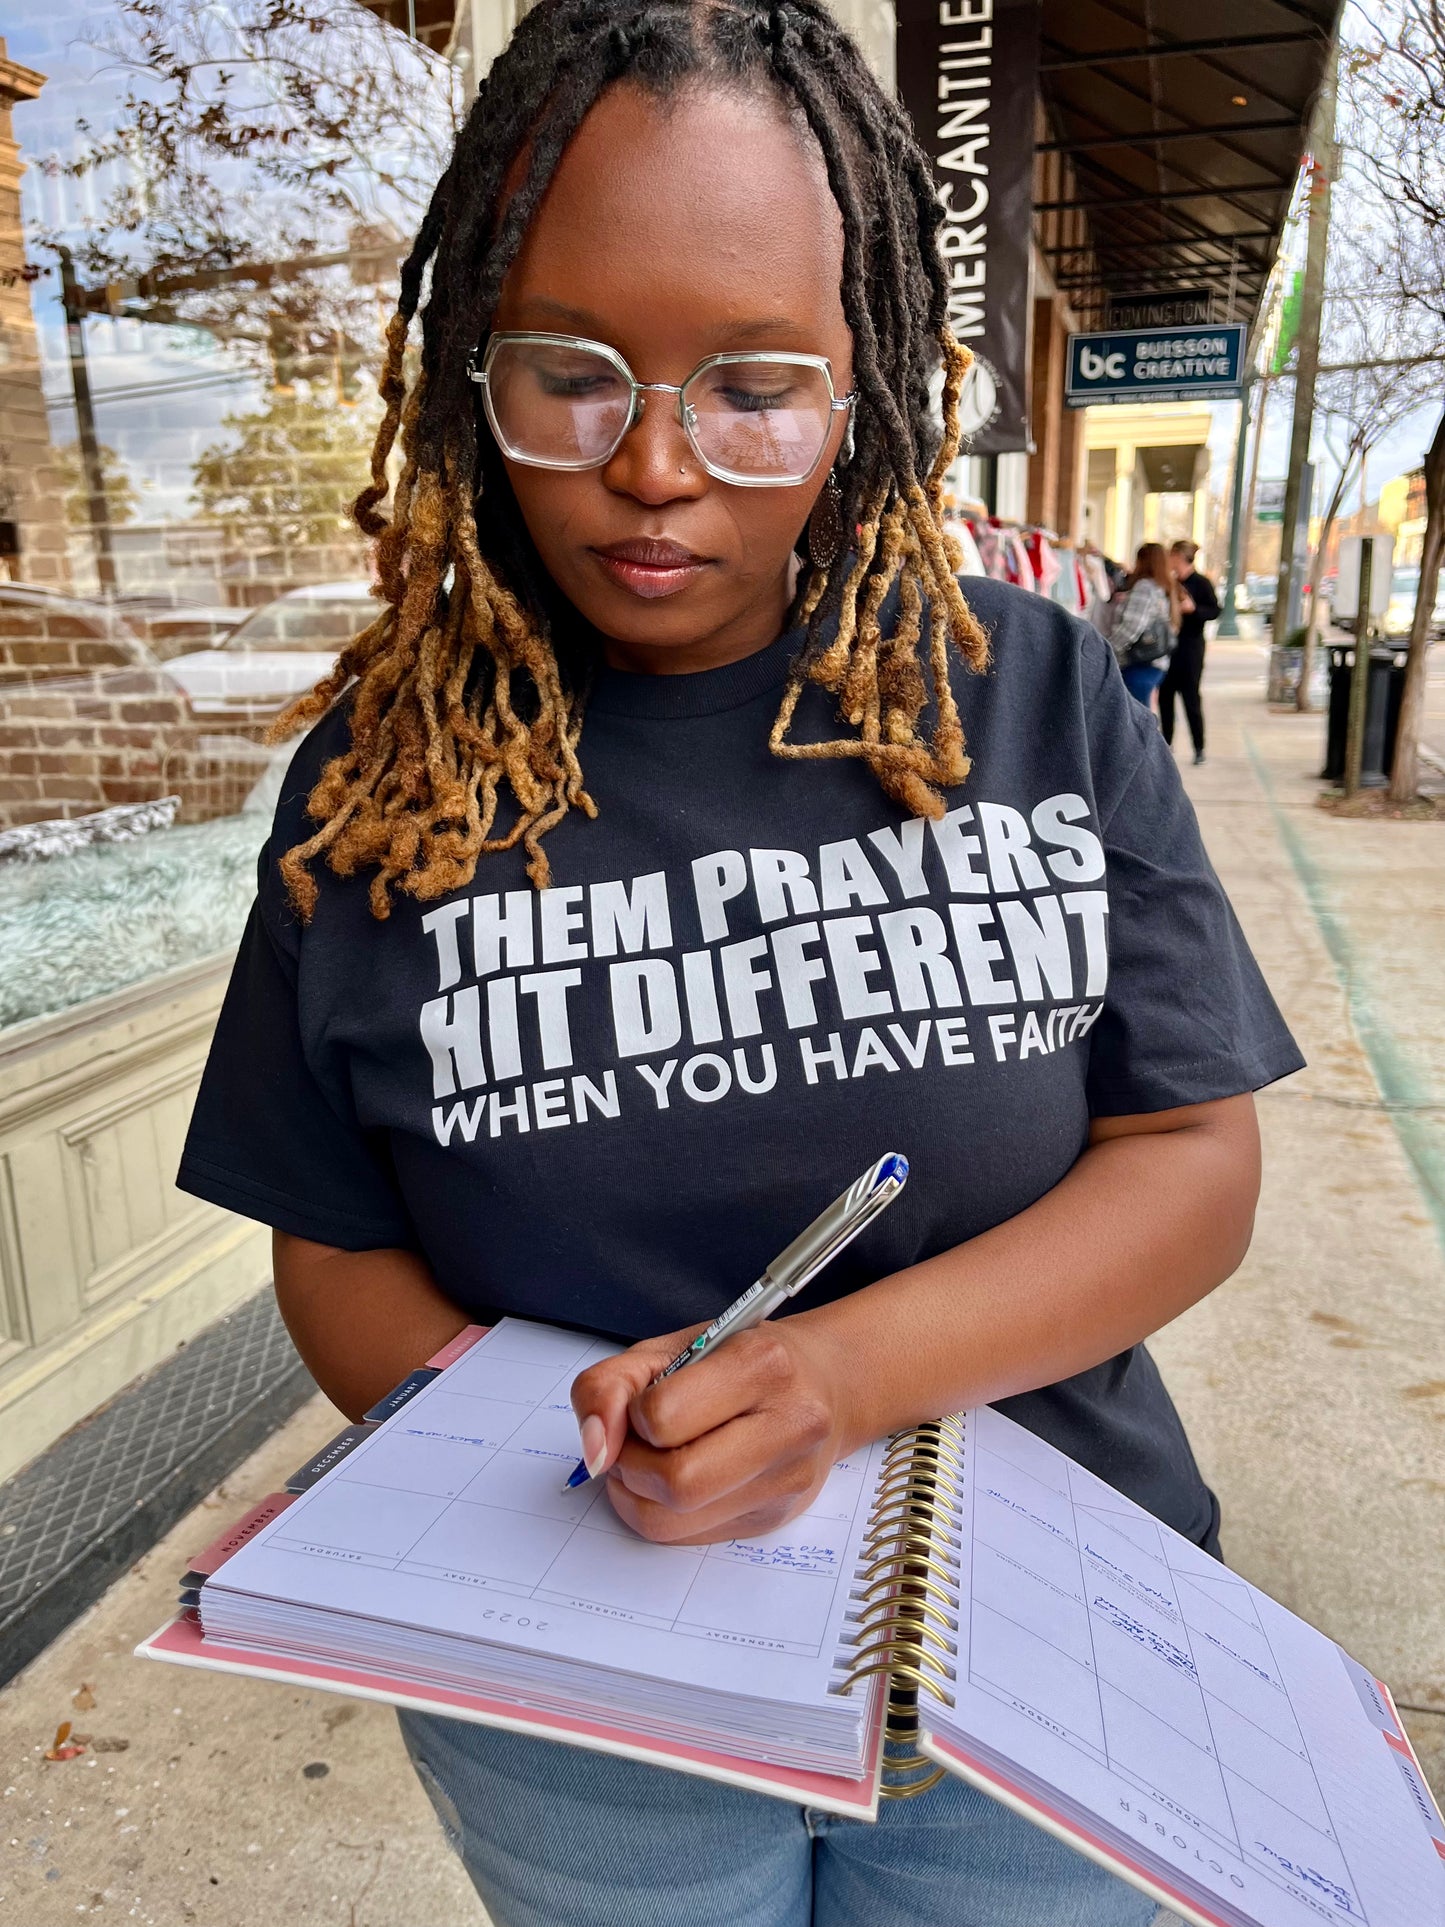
{"type": "Point", "coordinates": [594, 1444]}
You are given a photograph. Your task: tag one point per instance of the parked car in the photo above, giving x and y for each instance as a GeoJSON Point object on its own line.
{"type": "Point", "coordinates": [175, 626]}
{"type": "Point", "coordinates": [277, 653]}
{"type": "Point", "coordinates": [44, 634]}
{"type": "Point", "coordinates": [1399, 616]}
{"type": "Point", "coordinates": [1256, 594]}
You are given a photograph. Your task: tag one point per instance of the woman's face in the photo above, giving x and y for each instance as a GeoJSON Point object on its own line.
{"type": "Point", "coordinates": [673, 231]}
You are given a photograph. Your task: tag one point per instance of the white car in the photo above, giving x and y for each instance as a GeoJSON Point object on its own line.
{"type": "Point", "coordinates": [173, 626]}
{"type": "Point", "coordinates": [277, 653]}
{"type": "Point", "coordinates": [1399, 616]}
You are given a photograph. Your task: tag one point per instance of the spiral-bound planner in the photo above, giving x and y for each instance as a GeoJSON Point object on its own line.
{"type": "Point", "coordinates": [962, 1590]}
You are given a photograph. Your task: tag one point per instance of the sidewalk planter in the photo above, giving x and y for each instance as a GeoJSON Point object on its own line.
{"type": "Point", "coordinates": [104, 1266]}
{"type": "Point", "coordinates": [1285, 660]}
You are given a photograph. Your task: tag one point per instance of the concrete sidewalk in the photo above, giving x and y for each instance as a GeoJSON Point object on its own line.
{"type": "Point", "coordinates": [205, 1799]}
{"type": "Point", "coordinates": [1313, 1384]}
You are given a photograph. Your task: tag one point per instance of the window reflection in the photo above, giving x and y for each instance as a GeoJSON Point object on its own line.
{"type": "Point", "coordinates": [190, 333]}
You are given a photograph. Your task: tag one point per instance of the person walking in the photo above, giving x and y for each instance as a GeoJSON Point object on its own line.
{"type": "Point", "coordinates": [1186, 665]}
{"type": "Point", "coordinates": [663, 585]}
{"type": "Point", "coordinates": [1146, 620]}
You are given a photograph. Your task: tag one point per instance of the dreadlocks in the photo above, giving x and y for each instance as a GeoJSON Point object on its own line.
{"type": "Point", "coordinates": [463, 681]}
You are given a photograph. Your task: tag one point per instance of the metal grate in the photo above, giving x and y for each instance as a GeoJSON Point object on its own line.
{"type": "Point", "coordinates": [73, 1520]}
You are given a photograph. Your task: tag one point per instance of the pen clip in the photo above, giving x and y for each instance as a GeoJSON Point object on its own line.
{"type": "Point", "coordinates": [840, 1224]}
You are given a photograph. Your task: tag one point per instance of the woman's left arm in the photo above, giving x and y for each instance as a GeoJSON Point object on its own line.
{"type": "Point", "coordinates": [1156, 1212]}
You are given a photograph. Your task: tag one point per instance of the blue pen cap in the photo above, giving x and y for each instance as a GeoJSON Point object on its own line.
{"type": "Point", "coordinates": [895, 1166]}
{"type": "Point", "coordinates": [864, 1200]}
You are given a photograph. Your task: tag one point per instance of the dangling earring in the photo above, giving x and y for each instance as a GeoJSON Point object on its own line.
{"type": "Point", "coordinates": [825, 525]}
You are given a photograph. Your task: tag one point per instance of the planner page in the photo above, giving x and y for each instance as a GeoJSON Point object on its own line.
{"type": "Point", "coordinates": [451, 1518]}
{"type": "Point", "coordinates": [1127, 1677]}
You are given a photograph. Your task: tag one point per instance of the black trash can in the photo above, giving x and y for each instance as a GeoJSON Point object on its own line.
{"type": "Point", "coordinates": [1382, 713]}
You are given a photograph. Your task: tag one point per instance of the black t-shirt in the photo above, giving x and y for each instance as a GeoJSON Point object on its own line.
{"type": "Point", "coordinates": [1200, 591]}
{"type": "Point", "coordinates": [611, 1103]}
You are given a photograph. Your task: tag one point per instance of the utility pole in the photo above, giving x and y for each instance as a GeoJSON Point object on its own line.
{"type": "Point", "coordinates": [1360, 676]}
{"type": "Point", "coordinates": [96, 505]}
{"type": "Point", "coordinates": [1228, 615]}
{"type": "Point", "coordinates": [1308, 352]}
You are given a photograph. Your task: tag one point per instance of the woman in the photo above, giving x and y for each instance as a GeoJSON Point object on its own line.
{"type": "Point", "coordinates": [529, 873]}
{"type": "Point", "coordinates": [1146, 624]}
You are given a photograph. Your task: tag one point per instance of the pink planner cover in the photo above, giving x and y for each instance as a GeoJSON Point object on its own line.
{"type": "Point", "coordinates": [989, 1780]}
{"type": "Point", "coordinates": [1024, 1800]}
{"type": "Point", "coordinates": [182, 1643]}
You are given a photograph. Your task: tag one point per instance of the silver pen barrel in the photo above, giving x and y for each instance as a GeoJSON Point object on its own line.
{"type": "Point", "coordinates": [804, 1258]}
{"type": "Point", "coordinates": [836, 1227]}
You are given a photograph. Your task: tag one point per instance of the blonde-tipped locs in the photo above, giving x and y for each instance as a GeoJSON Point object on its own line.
{"type": "Point", "coordinates": [465, 717]}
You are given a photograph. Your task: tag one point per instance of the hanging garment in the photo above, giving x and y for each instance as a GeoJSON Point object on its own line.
{"type": "Point", "coordinates": [1045, 562]}
{"type": "Point", "coordinates": [1065, 588]}
{"type": "Point", "coordinates": [1097, 586]}
{"type": "Point", "coordinates": [990, 548]}
{"type": "Point", "coordinates": [1006, 551]}
{"type": "Point", "coordinates": [1023, 568]}
{"type": "Point", "coordinates": [961, 529]}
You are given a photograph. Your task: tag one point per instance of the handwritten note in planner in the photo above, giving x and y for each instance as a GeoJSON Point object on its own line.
{"type": "Point", "coordinates": [1156, 1688]}
{"type": "Point", "coordinates": [461, 1494]}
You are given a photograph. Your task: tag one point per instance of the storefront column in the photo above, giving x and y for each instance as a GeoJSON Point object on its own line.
{"type": "Point", "coordinates": [1046, 407]}
{"type": "Point", "coordinates": [1073, 458]}
{"type": "Point", "coordinates": [1122, 542]}
{"type": "Point", "coordinates": [1199, 514]}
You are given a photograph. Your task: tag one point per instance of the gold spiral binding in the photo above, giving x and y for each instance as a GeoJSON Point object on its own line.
{"type": "Point", "coordinates": [868, 1595]}
{"type": "Point", "coordinates": [905, 1591]}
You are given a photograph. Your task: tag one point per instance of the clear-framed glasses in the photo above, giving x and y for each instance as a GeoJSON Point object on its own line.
{"type": "Point", "coordinates": [756, 420]}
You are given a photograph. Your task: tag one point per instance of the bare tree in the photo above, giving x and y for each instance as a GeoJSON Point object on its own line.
{"type": "Point", "coordinates": [1379, 373]}
{"type": "Point", "coordinates": [1399, 79]}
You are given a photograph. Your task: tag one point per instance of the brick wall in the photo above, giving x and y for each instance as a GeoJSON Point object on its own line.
{"type": "Point", "coordinates": [74, 744]}
{"type": "Point", "coordinates": [87, 720]}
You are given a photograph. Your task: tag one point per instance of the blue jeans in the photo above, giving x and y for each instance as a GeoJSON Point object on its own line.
{"type": "Point", "coordinates": [1141, 679]}
{"type": "Point", "coordinates": [556, 1837]}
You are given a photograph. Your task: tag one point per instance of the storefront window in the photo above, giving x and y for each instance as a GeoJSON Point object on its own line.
{"type": "Point", "coordinates": [202, 213]}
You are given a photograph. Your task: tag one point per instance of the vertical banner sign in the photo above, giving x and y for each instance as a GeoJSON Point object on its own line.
{"type": "Point", "coordinates": [968, 76]}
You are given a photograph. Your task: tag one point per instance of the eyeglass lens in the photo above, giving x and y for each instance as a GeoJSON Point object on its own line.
{"type": "Point", "coordinates": [567, 405]}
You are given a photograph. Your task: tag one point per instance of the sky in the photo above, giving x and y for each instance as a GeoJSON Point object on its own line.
{"type": "Point", "coordinates": [161, 394]}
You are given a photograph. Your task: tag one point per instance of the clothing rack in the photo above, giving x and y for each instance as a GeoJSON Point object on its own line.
{"type": "Point", "coordinates": [1032, 557]}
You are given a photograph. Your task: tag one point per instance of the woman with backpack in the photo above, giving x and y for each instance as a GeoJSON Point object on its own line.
{"type": "Point", "coordinates": [1147, 614]}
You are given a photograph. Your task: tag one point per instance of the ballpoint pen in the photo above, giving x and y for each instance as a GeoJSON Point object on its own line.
{"type": "Point", "coordinates": [793, 1268]}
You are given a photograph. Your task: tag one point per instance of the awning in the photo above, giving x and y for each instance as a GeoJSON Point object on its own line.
{"type": "Point", "coordinates": [1183, 126]}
